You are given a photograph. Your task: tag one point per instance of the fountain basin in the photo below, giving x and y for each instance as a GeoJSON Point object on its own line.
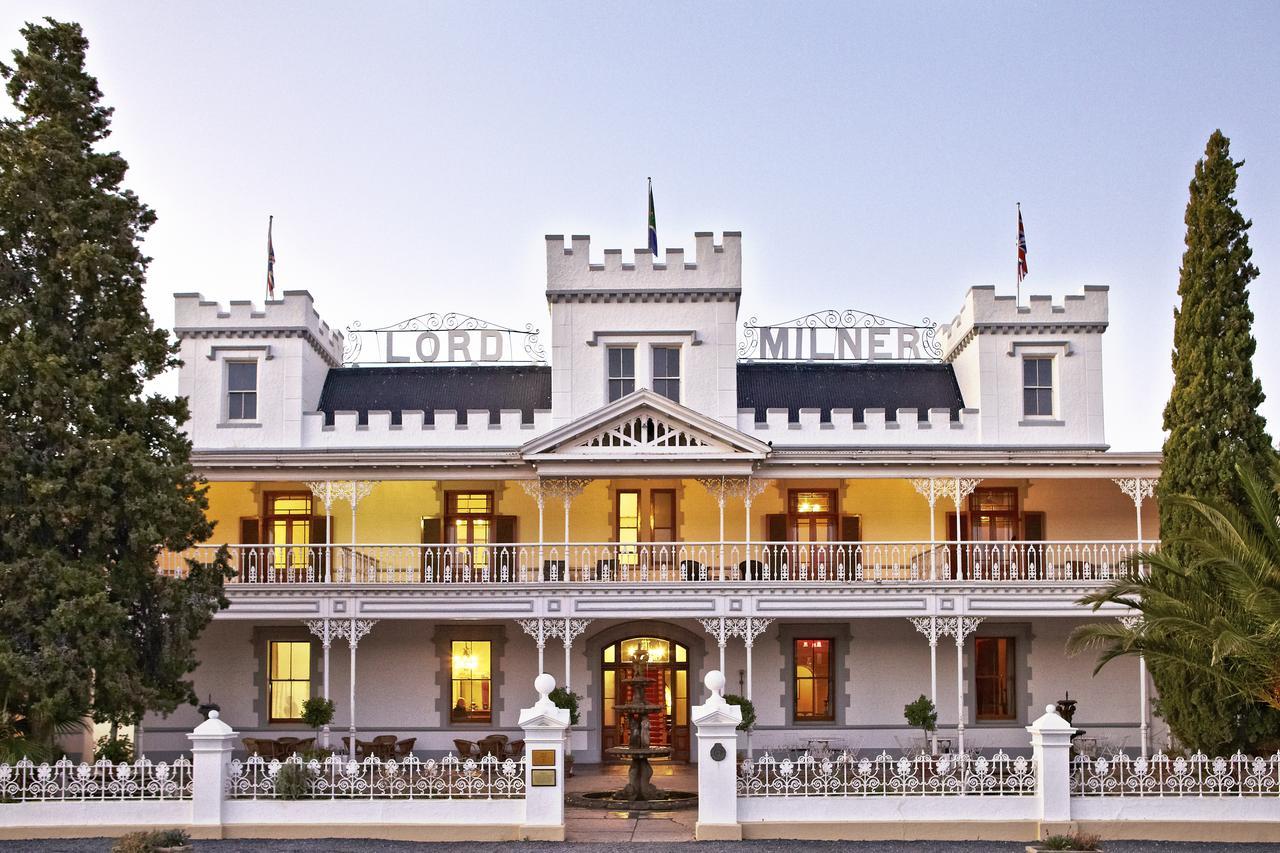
{"type": "Point", "coordinates": [668, 801]}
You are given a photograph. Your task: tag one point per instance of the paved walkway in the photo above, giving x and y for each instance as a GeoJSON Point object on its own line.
{"type": "Point", "coordinates": [619, 827]}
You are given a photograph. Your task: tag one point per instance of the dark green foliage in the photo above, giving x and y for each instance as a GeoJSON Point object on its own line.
{"type": "Point", "coordinates": [921, 714]}
{"type": "Point", "coordinates": [1210, 606]}
{"type": "Point", "coordinates": [562, 698]}
{"type": "Point", "coordinates": [748, 710]}
{"type": "Point", "coordinates": [95, 474]}
{"type": "Point", "coordinates": [1077, 841]}
{"type": "Point", "coordinates": [317, 712]}
{"type": "Point", "coordinates": [117, 750]}
{"type": "Point", "coordinates": [1213, 425]}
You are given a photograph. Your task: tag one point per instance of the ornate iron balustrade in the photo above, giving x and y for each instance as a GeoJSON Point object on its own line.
{"type": "Point", "coordinates": [337, 778]}
{"type": "Point", "coordinates": [678, 562]}
{"type": "Point", "coordinates": [66, 781]}
{"type": "Point", "coordinates": [845, 775]}
{"type": "Point", "coordinates": [1164, 776]}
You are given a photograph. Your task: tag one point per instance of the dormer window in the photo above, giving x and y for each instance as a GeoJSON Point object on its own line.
{"type": "Point", "coordinates": [1037, 387]}
{"type": "Point", "coordinates": [242, 390]}
{"type": "Point", "coordinates": [622, 371]}
{"type": "Point", "coordinates": [666, 372]}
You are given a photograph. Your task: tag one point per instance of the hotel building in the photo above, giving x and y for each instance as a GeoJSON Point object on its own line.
{"type": "Point", "coordinates": [840, 512]}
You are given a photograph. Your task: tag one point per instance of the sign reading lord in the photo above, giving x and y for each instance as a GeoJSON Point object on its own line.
{"type": "Point", "coordinates": [442, 339]}
{"type": "Point", "coordinates": [840, 336]}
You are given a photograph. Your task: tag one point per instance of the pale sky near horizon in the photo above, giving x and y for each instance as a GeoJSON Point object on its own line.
{"type": "Point", "coordinates": [414, 154]}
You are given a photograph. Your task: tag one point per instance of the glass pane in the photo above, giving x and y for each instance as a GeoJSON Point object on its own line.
{"type": "Point", "coordinates": [473, 503]}
{"type": "Point", "coordinates": [812, 502]}
{"type": "Point", "coordinates": [1029, 371]}
{"type": "Point", "coordinates": [628, 517]}
{"type": "Point", "coordinates": [682, 654]}
{"type": "Point", "coordinates": [291, 505]}
{"type": "Point", "coordinates": [669, 388]}
{"type": "Point", "coordinates": [682, 697]}
{"type": "Point", "coordinates": [609, 695]}
{"type": "Point", "coordinates": [242, 375]}
{"type": "Point", "coordinates": [610, 654]}
{"type": "Point", "coordinates": [300, 655]}
{"type": "Point", "coordinates": [471, 671]}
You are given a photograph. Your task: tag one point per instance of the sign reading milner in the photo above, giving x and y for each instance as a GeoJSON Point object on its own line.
{"type": "Point", "coordinates": [840, 336]}
{"type": "Point", "coordinates": [442, 339]}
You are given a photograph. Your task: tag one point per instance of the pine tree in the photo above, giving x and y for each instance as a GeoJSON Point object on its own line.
{"type": "Point", "coordinates": [1213, 425]}
{"type": "Point", "coordinates": [95, 474]}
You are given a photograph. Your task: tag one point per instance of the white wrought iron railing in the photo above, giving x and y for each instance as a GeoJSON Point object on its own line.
{"type": "Point", "coordinates": [676, 562]}
{"type": "Point", "coordinates": [337, 778]}
{"type": "Point", "coordinates": [1160, 775]}
{"type": "Point", "coordinates": [65, 780]}
{"type": "Point", "coordinates": [845, 775]}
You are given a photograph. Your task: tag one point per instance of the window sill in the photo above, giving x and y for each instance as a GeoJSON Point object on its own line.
{"type": "Point", "coordinates": [1049, 422]}
{"type": "Point", "coordinates": [240, 425]}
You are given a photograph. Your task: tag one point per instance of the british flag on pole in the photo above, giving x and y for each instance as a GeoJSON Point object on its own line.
{"type": "Point", "coordinates": [1022, 247]}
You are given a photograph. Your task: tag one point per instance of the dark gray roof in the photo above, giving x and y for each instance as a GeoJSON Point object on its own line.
{"type": "Point", "coordinates": [427, 388]}
{"type": "Point", "coordinates": [857, 386]}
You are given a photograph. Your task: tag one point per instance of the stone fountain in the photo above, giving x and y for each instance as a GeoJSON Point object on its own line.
{"type": "Point", "coordinates": [635, 715]}
{"type": "Point", "coordinates": [640, 792]}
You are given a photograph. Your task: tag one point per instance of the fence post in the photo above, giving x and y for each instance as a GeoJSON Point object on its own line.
{"type": "Point", "coordinates": [716, 723]}
{"type": "Point", "coordinates": [211, 744]}
{"type": "Point", "coordinates": [1051, 751]}
{"type": "Point", "coordinates": [545, 727]}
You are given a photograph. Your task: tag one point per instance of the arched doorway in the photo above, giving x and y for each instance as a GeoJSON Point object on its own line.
{"type": "Point", "coordinates": [669, 668]}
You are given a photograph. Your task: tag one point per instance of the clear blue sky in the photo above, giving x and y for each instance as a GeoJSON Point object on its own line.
{"type": "Point", "coordinates": [414, 154]}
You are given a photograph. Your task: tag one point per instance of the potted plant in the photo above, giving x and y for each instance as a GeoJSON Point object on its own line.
{"type": "Point", "coordinates": [317, 712]}
{"type": "Point", "coordinates": [921, 714]}
{"type": "Point", "coordinates": [748, 713]}
{"type": "Point", "coordinates": [1076, 842]}
{"type": "Point", "coordinates": [568, 700]}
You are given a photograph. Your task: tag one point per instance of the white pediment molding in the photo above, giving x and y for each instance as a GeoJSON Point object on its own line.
{"type": "Point", "coordinates": [645, 424]}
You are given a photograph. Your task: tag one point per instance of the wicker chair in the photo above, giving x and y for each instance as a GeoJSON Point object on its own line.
{"type": "Point", "coordinates": [404, 748]}
{"type": "Point", "coordinates": [465, 748]}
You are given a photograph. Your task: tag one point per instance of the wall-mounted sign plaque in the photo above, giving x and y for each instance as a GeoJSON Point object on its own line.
{"type": "Point", "coordinates": [542, 778]}
{"type": "Point", "coordinates": [542, 757]}
{"type": "Point", "coordinates": [442, 339]}
{"type": "Point", "coordinates": [847, 335]}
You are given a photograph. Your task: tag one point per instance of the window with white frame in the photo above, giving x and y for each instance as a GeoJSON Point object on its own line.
{"type": "Point", "coordinates": [1037, 386]}
{"type": "Point", "coordinates": [242, 390]}
{"type": "Point", "coordinates": [622, 371]}
{"type": "Point", "coordinates": [666, 372]}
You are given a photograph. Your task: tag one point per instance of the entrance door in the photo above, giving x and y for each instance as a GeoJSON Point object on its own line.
{"type": "Point", "coordinates": [669, 669]}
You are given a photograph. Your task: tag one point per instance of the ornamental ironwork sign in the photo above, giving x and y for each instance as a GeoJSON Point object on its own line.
{"type": "Point", "coordinates": [834, 335]}
{"type": "Point", "coordinates": [451, 338]}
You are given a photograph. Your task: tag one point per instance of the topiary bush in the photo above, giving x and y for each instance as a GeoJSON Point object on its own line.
{"type": "Point", "coordinates": [567, 699]}
{"type": "Point", "coordinates": [748, 710]}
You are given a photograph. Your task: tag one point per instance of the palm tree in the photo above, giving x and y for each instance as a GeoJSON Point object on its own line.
{"type": "Point", "coordinates": [1211, 600]}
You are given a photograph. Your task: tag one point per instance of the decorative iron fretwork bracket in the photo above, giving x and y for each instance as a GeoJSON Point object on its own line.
{"type": "Point", "coordinates": [1137, 488]}
{"type": "Point", "coordinates": [353, 630]}
{"type": "Point", "coordinates": [928, 625]}
{"type": "Point", "coordinates": [325, 629]}
{"type": "Point", "coordinates": [958, 627]}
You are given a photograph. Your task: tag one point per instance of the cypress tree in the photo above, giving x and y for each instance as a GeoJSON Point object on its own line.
{"type": "Point", "coordinates": [95, 474]}
{"type": "Point", "coordinates": [1212, 425]}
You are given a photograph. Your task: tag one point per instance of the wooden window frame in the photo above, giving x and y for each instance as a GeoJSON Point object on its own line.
{"type": "Point", "coordinates": [1009, 682]}
{"type": "Point", "coordinates": [453, 680]}
{"type": "Point", "coordinates": [831, 517]}
{"type": "Point", "coordinates": [645, 513]}
{"type": "Point", "coordinates": [271, 682]}
{"type": "Point", "coordinates": [796, 716]}
{"type": "Point", "coordinates": [1013, 516]}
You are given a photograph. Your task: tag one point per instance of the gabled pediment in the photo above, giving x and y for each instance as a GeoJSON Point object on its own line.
{"type": "Point", "coordinates": [644, 424]}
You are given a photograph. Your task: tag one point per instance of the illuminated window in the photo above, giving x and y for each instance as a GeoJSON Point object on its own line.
{"type": "Point", "coordinates": [470, 522]}
{"type": "Point", "coordinates": [242, 390]}
{"type": "Point", "coordinates": [471, 681]}
{"type": "Point", "coordinates": [813, 680]}
{"type": "Point", "coordinates": [622, 372]}
{"type": "Point", "coordinates": [289, 680]}
{"type": "Point", "coordinates": [628, 526]}
{"type": "Point", "coordinates": [289, 523]}
{"type": "Point", "coordinates": [993, 673]}
{"type": "Point", "coordinates": [666, 372]}
{"type": "Point", "coordinates": [1037, 387]}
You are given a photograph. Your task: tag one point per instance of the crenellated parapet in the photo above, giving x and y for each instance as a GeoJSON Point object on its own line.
{"type": "Point", "coordinates": [874, 428]}
{"type": "Point", "coordinates": [984, 312]}
{"type": "Point", "coordinates": [292, 316]}
{"type": "Point", "coordinates": [715, 269]}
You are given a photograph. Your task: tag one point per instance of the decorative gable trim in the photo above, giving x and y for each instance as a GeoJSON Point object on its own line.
{"type": "Point", "coordinates": [644, 430]}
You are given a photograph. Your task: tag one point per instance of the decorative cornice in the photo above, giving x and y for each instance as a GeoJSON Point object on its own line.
{"type": "Point", "coordinates": [218, 332]}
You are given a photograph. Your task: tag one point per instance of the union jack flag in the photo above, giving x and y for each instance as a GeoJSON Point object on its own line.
{"type": "Point", "coordinates": [1022, 248]}
{"type": "Point", "coordinates": [271, 262]}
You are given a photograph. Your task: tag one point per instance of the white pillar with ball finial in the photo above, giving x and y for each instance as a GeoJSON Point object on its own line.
{"type": "Point", "coordinates": [544, 746]}
{"type": "Point", "coordinates": [716, 723]}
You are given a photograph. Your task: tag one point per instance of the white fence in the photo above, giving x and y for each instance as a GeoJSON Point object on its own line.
{"type": "Point", "coordinates": [411, 778]}
{"type": "Point", "coordinates": [1160, 775]}
{"type": "Point", "coordinates": [66, 780]}
{"type": "Point", "coordinates": [886, 776]}
{"type": "Point", "coordinates": [449, 799]}
{"type": "Point", "coordinates": [678, 562]}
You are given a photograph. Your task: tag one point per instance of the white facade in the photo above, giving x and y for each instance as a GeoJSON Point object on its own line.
{"type": "Point", "coordinates": [948, 494]}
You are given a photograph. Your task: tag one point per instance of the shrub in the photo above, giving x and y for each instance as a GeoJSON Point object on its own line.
{"type": "Point", "coordinates": [1076, 841]}
{"type": "Point", "coordinates": [748, 710]}
{"type": "Point", "coordinates": [293, 782]}
{"type": "Point", "coordinates": [134, 842]}
{"type": "Point", "coordinates": [115, 750]}
{"type": "Point", "coordinates": [922, 715]}
{"type": "Point", "coordinates": [562, 698]}
{"type": "Point", "coordinates": [317, 712]}
{"type": "Point", "coordinates": [170, 838]}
